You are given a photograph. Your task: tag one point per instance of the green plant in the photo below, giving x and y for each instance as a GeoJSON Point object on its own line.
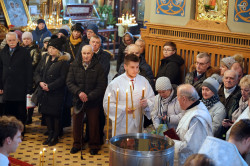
{"type": "Point", "coordinates": [106, 13]}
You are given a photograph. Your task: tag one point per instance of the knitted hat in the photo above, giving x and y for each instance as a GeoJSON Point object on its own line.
{"type": "Point", "coordinates": [64, 31]}
{"type": "Point", "coordinates": [19, 34]}
{"type": "Point", "coordinates": [228, 61]}
{"type": "Point", "coordinates": [77, 27]}
{"type": "Point", "coordinates": [93, 27]}
{"type": "Point", "coordinates": [57, 43]}
{"type": "Point", "coordinates": [40, 21]}
{"type": "Point", "coordinates": [27, 35]}
{"type": "Point", "coordinates": [212, 84]}
{"type": "Point", "coordinates": [46, 39]}
{"type": "Point", "coordinates": [163, 83]}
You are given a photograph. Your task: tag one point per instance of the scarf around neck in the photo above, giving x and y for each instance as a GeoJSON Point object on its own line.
{"type": "Point", "coordinates": [209, 103]}
{"type": "Point", "coordinates": [75, 41]}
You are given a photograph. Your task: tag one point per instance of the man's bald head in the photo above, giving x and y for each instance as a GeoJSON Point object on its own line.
{"type": "Point", "coordinates": [133, 49]}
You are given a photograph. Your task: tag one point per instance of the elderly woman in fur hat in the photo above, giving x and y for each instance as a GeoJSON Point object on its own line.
{"type": "Point", "coordinates": [50, 75]}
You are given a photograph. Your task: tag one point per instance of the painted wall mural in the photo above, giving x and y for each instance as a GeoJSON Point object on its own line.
{"type": "Point", "coordinates": [171, 7]}
{"type": "Point", "coordinates": [242, 11]}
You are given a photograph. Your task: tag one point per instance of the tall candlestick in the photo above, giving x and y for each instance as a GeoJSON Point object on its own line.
{"type": "Point", "coordinates": [126, 111]}
{"type": "Point", "coordinates": [132, 102]}
{"type": "Point", "coordinates": [58, 11]}
{"type": "Point", "coordinates": [117, 93]}
{"type": "Point", "coordinates": [43, 156]}
{"type": "Point", "coordinates": [54, 151]}
{"type": "Point", "coordinates": [107, 136]}
{"type": "Point", "coordinates": [40, 158]}
{"type": "Point", "coordinates": [143, 92]}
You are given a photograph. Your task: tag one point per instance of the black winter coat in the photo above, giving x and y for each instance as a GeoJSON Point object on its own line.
{"type": "Point", "coordinates": [103, 57]}
{"type": "Point", "coordinates": [54, 74]}
{"type": "Point", "coordinates": [71, 49]}
{"type": "Point", "coordinates": [120, 56]}
{"type": "Point", "coordinates": [171, 67]}
{"type": "Point", "coordinates": [15, 73]}
{"type": "Point", "coordinates": [91, 81]}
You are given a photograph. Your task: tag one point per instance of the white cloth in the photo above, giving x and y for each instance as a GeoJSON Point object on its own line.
{"type": "Point", "coordinates": [193, 128]}
{"type": "Point", "coordinates": [227, 92]}
{"type": "Point", "coordinates": [222, 152]}
{"type": "Point", "coordinates": [245, 115]}
{"type": "Point", "coordinates": [122, 82]}
{"type": "Point", "coordinates": [4, 161]}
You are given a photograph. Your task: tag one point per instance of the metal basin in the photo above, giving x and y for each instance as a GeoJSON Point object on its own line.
{"type": "Point", "coordinates": [141, 149]}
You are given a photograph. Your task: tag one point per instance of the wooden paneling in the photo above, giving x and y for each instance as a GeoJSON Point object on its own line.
{"type": "Point", "coordinates": [192, 41]}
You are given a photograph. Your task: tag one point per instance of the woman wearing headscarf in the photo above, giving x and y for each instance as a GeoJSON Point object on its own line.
{"type": "Point", "coordinates": [50, 76]}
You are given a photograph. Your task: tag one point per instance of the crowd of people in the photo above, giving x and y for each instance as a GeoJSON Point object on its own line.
{"type": "Point", "coordinates": [70, 70]}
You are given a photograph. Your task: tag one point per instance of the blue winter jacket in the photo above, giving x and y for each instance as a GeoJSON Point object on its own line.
{"type": "Point", "coordinates": [39, 35]}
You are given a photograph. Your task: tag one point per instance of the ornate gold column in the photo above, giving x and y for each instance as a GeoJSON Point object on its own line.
{"type": "Point", "coordinates": [50, 5]}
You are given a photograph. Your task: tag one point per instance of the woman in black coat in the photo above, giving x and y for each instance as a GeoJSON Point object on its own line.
{"type": "Point", "coordinates": [50, 75]}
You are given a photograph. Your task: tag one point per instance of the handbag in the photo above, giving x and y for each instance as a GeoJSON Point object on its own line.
{"type": "Point", "coordinates": [34, 97]}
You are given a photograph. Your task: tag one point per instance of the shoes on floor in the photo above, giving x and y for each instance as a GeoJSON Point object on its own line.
{"type": "Point", "coordinates": [46, 142]}
{"type": "Point", "coordinates": [53, 142]}
{"type": "Point", "coordinates": [46, 132]}
{"type": "Point", "coordinates": [74, 150]}
{"type": "Point", "coordinates": [29, 121]}
{"type": "Point", "coordinates": [93, 151]}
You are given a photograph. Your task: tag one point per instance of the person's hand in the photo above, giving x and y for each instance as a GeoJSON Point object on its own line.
{"type": "Point", "coordinates": [44, 86]}
{"type": "Point", "coordinates": [130, 111]}
{"type": "Point", "coordinates": [164, 117]}
{"type": "Point", "coordinates": [83, 97]}
{"type": "Point", "coordinates": [1, 91]}
{"type": "Point", "coordinates": [227, 123]}
{"type": "Point", "coordinates": [143, 103]}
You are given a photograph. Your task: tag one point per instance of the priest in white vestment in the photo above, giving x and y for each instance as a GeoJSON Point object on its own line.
{"type": "Point", "coordinates": [122, 84]}
{"type": "Point", "coordinates": [195, 125]}
{"type": "Point", "coordinates": [230, 153]}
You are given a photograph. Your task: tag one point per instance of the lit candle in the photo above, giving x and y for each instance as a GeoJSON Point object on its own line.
{"type": "Point", "coordinates": [107, 137]}
{"type": "Point", "coordinates": [40, 158]}
{"type": "Point", "coordinates": [54, 151]}
{"type": "Point", "coordinates": [43, 156]}
{"type": "Point", "coordinates": [131, 92]}
{"type": "Point", "coordinates": [143, 92]}
{"type": "Point", "coordinates": [126, 111]}
{"type": "Point", "coordinates": [117, 93]}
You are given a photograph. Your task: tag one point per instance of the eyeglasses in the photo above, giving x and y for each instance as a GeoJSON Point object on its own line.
{"type": "Point", "coordinates": [165, 50]}
{"type": "Point", "coordinates": [201, 64]}
{"type": "Point", "coordinates": [90, 32]}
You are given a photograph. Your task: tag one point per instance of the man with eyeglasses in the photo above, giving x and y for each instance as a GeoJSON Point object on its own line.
{"type": "Point", "coordinates": [202, 68]}
{"type": "Point", "coordinates": [171, 64]}
{"type": "Point", "coordinates": [92, 30]}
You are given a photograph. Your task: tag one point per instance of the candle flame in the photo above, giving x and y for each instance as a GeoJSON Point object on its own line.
{"type": "Point", "coordinates": [109, 94]}
{"type": "Point", "coordinates": [143, 88]}
{"type": "Point", "coordinates": [44, 149]}
{"type": "Point", "coordinates": [41, 152]}
{"type": "Point", "coordinates": [130, 84]}
{"type": "Point", "coordinates": [117, 89]}
{"type": "Point", "coordinates": [127, 91]}
{"type": "Point", "coordinates": [54, 149]}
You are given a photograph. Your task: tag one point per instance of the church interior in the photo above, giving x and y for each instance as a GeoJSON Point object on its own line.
{"type": "Point", "coordinates": [219, 27]}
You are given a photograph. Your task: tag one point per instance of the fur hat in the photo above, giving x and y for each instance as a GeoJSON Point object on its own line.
{"type": "Point", "coordinates": [93, 27]}
{"type": "Point", "coordinates": [212, 84]}
{"type": "Point", "coordinates": [27, 35]}
{"type": "Point", "coordinates": [57, 42]}
{"type": "Point", "coordinates": [64, 31]}
{"type": "Point", "coordinates": [228, 61]}
{"type": "Point", "coordinates": [163, 83]}
{"type": "Point", "coordinates": [40, 21]}
{"type": "Point", "coordinates": [46, 39]}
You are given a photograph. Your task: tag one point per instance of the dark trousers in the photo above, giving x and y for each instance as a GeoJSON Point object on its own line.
{"type": "Point", "coordinates": [93, 127]}
{"type": "Point", "coordinates": [53, 125]}
{"type": "Point", "coordinates": [17, 109]}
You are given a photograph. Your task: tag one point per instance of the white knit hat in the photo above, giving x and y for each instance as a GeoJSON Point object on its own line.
{"type": "Point", "coordinates": [228, 61]}
{"type": "Point", "coordinates": [163, 83]}
{"type": "Point", "coordinates": [27, 35]}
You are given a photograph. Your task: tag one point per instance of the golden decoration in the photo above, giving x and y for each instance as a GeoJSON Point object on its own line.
{"type": "Point", "coordinates": [242, 10]}
{"type": "Point", "coordinates": [170, 5]}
